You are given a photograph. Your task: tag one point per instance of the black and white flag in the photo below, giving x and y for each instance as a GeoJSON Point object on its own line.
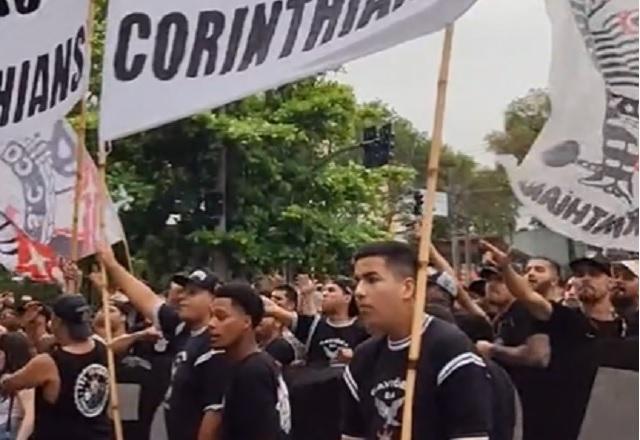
{"type": "Point", "coordinates": [580, 178]}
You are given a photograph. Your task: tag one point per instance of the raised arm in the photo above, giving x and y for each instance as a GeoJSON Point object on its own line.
{"type": "Point", "coordinates": [273, 310]}
{"type": "Point", "coordinates": [141, 296]}
{"type": "Point", "coordinates": [462, 296]}
{"type": "Point", "coordinates": [307, 303]}
{"type": "Point", "coordinates": [537, 305]}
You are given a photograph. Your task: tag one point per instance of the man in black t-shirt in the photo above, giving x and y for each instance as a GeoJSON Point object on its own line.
{"type": "Point", "coordinates": [331, 337]}
{"type": "Point", "coordinates": [256, 401]}
{"type": "Point", "coordinates": [625, 295]}
{"type": "Point", "coordinates": [194, 398]}
{"type": "Point", "coordinates": [578, 339]}
{"type": "Point", "coordinates": [453, 390]}
{"type": "Point", "coordinates": [269, 337]}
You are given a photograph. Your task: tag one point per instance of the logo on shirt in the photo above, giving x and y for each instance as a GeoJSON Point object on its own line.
{"type": "Point", "coordinates": [283, 407]}
{"type": "Point", "coordinates": [91, 390]}
{"type": "Point", "coordinates": [178, 360]}
{"type": "Point", "coordinates": [332, 346]}
{"type": "Point", "coordinates": [388, 398]}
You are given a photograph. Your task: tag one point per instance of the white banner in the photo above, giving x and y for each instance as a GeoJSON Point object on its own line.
{"type": "Point", "coordinates": [43, 62]}
{"type": "Point", "coordinates": [165, 60]}
{"type": "Point", "coordinates": [580, 178]}
{"type": "Point", "coordinates": [38, 175]}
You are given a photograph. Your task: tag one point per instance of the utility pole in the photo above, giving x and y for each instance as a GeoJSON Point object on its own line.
{"type": "Point", "coordinates": [453, 230]}
{"type": "Point", "coordinates": [220, 262]}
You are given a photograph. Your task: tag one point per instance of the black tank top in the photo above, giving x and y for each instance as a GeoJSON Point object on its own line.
{"type": "Point", "coordinates": [80, 413]}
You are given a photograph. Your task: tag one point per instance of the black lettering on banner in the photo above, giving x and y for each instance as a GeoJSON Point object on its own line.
{"type": "Point", "coordinates": [297, 6]}
{"type": "Point", "coordinates": [532, 190]}
{"type": "Point", "coordinates": [557, 210]}
{"type": "Point", "coordinates": [78, 58]}
{"type": "Point", "coordinates": [61, 71]}
{"type": "Point", "coordinates": [6, 91]}
{"type": "Point", "coordinates": [22, 6]}
{"type": "Point", "coordinates": [210, 27]}
{"type": "Point", "coordinates": [632, 225]}
{"type": "Point", "coordinates": [40, 86]}
{"type": "Point", "coordinates": [397, 4]}
{"type": "Point", "coordinates": [237, 27]}
{"type": "Point", "coordinates": [349, 18]}
{"type": "Point", "coordinates": [143, 23]}
{"type": "Point", "coordinates": [162, 69]}
{"type": "Point", "coordinates": [550, 197]}
{"type": "Point", "coordinates": [612, 224]}
{"type": "Point", "coordinates": [23, 84]}
{"type": "Point", "coordinates": [378, 7]}
{"type": "Point", "coordinates": [598, 213]}
{"type": "Point", "coordinates": [261, 34]}
{"type": "Point", "coordinates": [578, 214]}
{"type": "Point", "coordinates": [27, 6]}
{"type": "Point", "coordinates": [327, 13]}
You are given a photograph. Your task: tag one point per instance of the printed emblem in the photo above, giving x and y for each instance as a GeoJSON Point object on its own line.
{"type": "Point", "coordinates": [91, 390]}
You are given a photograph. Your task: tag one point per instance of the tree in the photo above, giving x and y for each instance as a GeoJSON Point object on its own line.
{"type": "Point", "coordinates": [524, 119]}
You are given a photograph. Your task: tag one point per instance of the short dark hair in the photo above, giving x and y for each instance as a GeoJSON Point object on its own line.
{"type": "Point", "coordinates": [290, 292]}
{"type": "Point", "coordinates": [244, 296]}
{"type": "Point", "coordinates": [554, 264]}
{"type": "Point", "coordinates": [348, 288]}
{"type": "Point", "coordinates": [397, 255]}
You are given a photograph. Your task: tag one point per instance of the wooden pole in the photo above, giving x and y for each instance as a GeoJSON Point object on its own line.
{"type": "Point", "coordinates": [101, 205]}
{"type": "Point", "coordinates": [80, 149]}
{"type": "Point", "coordinates": [425, 236]}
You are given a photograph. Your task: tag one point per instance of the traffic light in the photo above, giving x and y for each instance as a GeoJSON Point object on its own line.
{"type": "Point", "coordinates": [377, 145]}
{"type": "Point", "coordinates": [418, 199]}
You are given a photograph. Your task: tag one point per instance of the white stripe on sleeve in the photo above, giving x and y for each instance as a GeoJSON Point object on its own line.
{"type": "Point", "coordinates": [459, 361]}
{"type": "Point", "coordinates": [351, 383]}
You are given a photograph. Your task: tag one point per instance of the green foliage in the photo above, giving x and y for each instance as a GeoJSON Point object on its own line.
{"type": "Point", "coordinates": [524, 119]}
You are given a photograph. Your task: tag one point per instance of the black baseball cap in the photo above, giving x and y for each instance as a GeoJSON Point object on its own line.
{"type": "Point", "coordinates": [202, 278]}
{"type": "Point", "coordinates": [74, 311]}
{"type": "Point", "coordinates": [597, 262]}
{"type": "Point", "coordinates": [487, 272]}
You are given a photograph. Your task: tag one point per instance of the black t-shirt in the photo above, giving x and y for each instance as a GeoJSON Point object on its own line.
{"type": "Point", "coordinates": [323, 339]}
{"type": "Point", "coordinates": [503, 403]}
{"type": "Point", "coordinates": [281, 350]}
{"type": "Point", "coordinates": [199, 376]}
{"type": "Point", "coordinates": [577, 348]}
{"type": "Point", "coordinates": [452, 395]}
{"type": "Point", "coordinates": [256, 404]}
{"type": "Point", "coordinates": [144, 373]}
{"type": "Point", "coordinates": [514, 326]}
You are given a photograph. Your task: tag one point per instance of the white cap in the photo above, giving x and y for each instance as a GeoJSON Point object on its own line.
{"type": "Point", "coordinates": [632, 265]}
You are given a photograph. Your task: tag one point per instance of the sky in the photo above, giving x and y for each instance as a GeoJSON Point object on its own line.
{"type": "Point", "coordinates": [501, 49]}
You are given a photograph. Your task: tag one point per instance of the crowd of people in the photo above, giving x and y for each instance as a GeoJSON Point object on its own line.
{"type": "Point", "coordinates": [324, 357]}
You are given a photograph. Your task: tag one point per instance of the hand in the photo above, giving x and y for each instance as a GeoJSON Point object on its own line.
{"type": "Point", "coordinates": [484, 348]}
{"type": "Point", "coordinates": [150, 334]}
{"type": "Point", "coordinates": [98, 280]}
{"type": "Point", "coordinates": [495, 256]}
{"type": "Point", "coordinates": [104, 254]}
{"type": "Point", "coordinates": [269, 306]}
{"type": "Point", "coordinates": [305, 284]}
{"type": "Point", "coordinates": [344, 355]}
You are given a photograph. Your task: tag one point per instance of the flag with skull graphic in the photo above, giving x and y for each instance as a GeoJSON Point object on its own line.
{"type": "Point", "coordinates": [580, 177]}
{"type": "Point", "coordinates": [38, 175]}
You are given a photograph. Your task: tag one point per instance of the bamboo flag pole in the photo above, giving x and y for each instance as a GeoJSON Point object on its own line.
{"type": "Point", "coordinates": [80, 149]}
{"type": "Point", "coordinates": [101, 205]}
{"type": "Point", "coordinates": [425, 235]}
